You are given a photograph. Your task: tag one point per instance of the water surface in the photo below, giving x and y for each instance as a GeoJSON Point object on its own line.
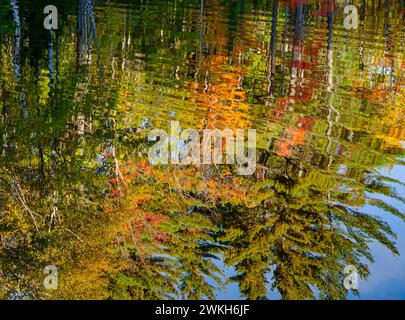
{"type": "Point", "coordinates": [78, 192]}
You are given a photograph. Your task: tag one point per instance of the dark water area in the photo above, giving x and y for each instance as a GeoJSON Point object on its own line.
{"type": "Point", "coordinates": [78, 192]}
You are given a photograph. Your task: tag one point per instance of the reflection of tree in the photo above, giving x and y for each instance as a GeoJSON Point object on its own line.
{"type": "Point", "coordinates": [306, 230]}
{"type": "Point", "coordinates": [86, 30]}
{"type": "Point", "coordinates": [49, 192]}
{"type": "Point", "coordinates": [17, 38]}
{"type": "Point", "coordinates": [171, 249]}
{"type": "Point", "coordinates": [299, 224]}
